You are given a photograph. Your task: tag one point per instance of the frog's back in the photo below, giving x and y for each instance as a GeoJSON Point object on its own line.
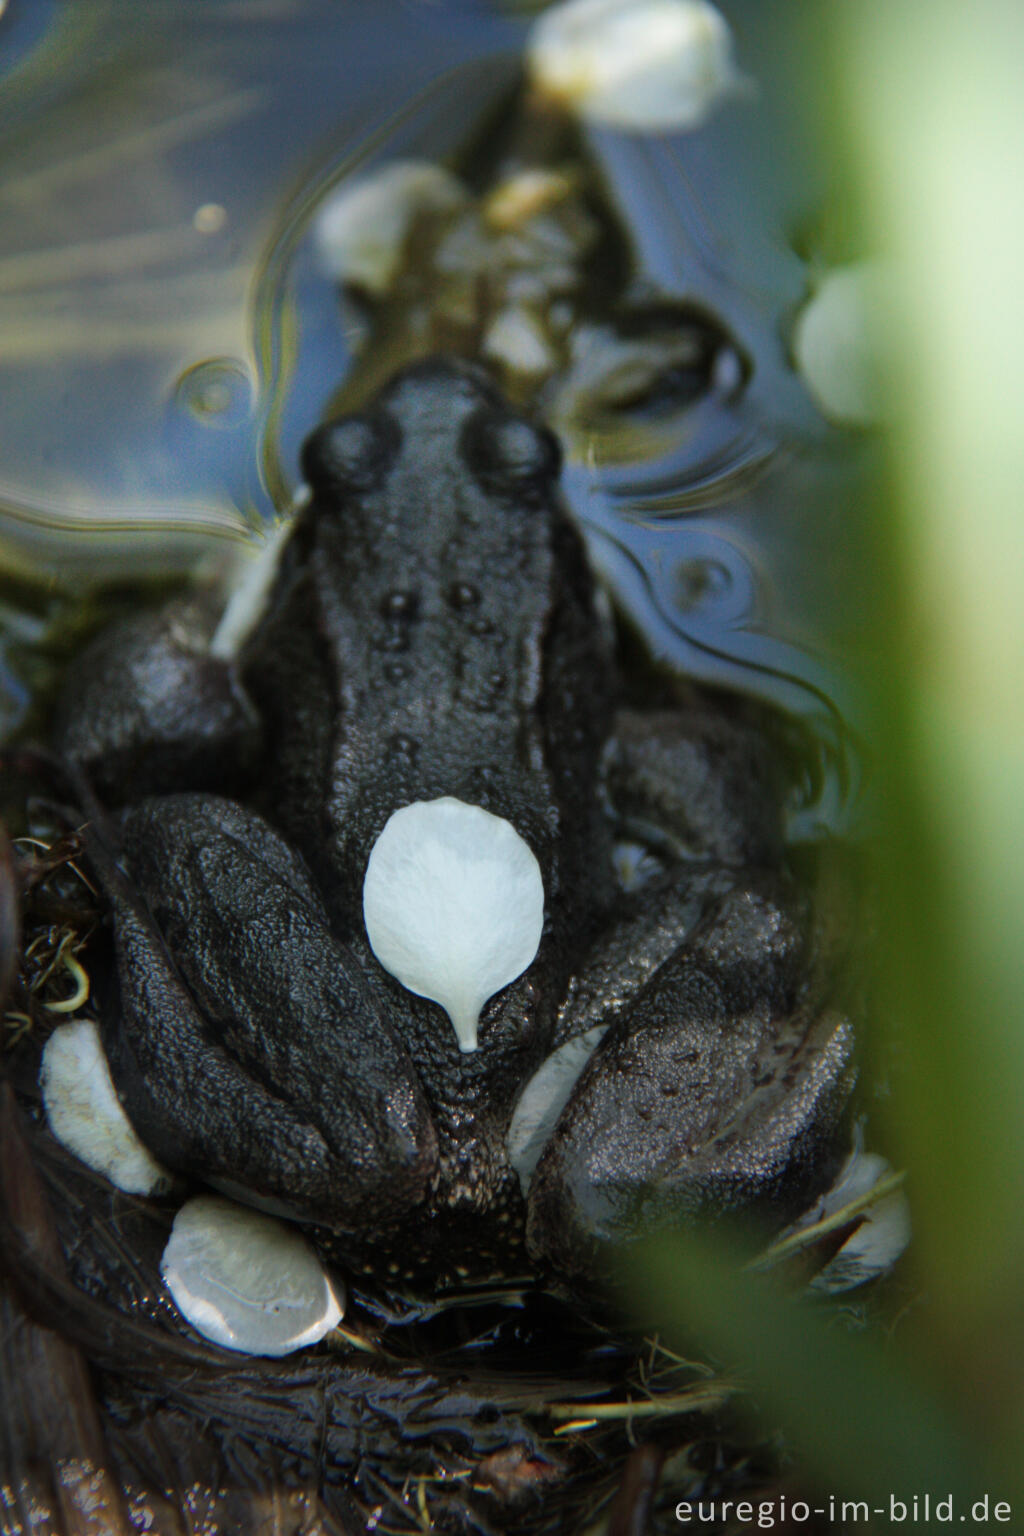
{"type": "Point", "coordinates": [433, 633]}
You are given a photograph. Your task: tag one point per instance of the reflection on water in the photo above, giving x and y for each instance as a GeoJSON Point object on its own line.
{"type": "Point", "coordinates": [154, 156]}
{"type": "Point", "coordinates": [169, 336]}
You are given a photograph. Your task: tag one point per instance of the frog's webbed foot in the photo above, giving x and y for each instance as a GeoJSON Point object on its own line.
{"type": "Point", "coordinates": [721, 1086]}
{"type": "Point", "coordinates": [147, 707]}
{"type": "Point", "coordinates": [245, 1043]}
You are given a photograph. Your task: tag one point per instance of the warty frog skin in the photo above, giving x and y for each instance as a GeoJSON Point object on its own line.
{"type": "Point", "coordinates": [431, 634]}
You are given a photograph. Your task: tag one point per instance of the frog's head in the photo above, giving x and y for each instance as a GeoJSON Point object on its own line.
{"type": "Point", "coordinates": [434, 422]}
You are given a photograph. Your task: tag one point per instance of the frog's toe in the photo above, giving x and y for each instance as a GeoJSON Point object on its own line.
{"type": "Point", "coordinates": [722, 1090]}
{"type": "Point", "coordinates": [246, 1043]}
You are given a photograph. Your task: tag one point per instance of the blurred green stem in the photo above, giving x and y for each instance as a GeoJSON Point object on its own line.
{"type": "Point", "coordinates": [936, 117]}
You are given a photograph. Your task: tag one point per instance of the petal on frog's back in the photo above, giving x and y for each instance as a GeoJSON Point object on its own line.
{"type": "Point", "coordinates": [247, 1281]}
{"type": "Point", "coordinates": [453, 902]}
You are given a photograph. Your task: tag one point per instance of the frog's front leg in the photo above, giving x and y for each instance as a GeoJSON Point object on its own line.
{"type": "Point", "coordinates": [718, 1075]}
{"type": "Point", "coordinates": [149, 706]}
{"type": "Point", "coordinates": [246, 1044]}
{"type": "Point", "coordinates": [703, 783]}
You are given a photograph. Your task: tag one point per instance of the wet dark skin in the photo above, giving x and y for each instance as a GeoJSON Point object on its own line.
{"type": "Point", "coordinates": [432, 632]}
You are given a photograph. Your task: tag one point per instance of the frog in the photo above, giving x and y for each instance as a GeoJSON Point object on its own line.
{"type": "Point", "coordinates": [433, 631]}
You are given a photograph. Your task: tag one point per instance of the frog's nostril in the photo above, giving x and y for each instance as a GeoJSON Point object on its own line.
{"type": "Point", "coordinates": [508, 453]}
{"type": "Point", "coordinates": [349, 455]}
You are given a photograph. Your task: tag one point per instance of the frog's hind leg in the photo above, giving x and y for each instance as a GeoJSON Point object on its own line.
{"type": "Point", "coordinates": [243, 1041]}
{"type": "Point", "coordinates": [711, 1072]}
{"type": "Point", "coordinates": [720, 1083]}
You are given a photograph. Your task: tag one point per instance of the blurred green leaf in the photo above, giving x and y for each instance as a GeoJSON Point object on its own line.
{"type": "Point", "coordinates": [937, 122]}
{"type": "Point", "coordinates": [860, 1420]}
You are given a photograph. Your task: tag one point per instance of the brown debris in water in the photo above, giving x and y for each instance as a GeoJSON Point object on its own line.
{"type": "Point", "coordinates": [52, 1451]}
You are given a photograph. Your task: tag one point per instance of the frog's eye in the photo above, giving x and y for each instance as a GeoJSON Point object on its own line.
{"type": "Point", "coordinates": [453, 901]}
{"type": "Point", "coordinates": [351, 455]}
{"type": "Point", "coordinates": [510, 454]}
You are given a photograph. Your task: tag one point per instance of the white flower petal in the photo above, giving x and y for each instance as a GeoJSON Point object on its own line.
{"type": "Point", "coordinates": [85, 1114]}
{"type": "Point", "coordinates": [874, 1248]}
{"type": "Point", "coordinates": [543, 1099]}
{"type": "Point", "coordinates": [644, 65]}
{"type": "Point", "coordinates": [833, 343]}
{"type": "Point", "coordinates": [516, 340]}
{"type": "Point", "coordinates": [453, 902]}
{"type": "Point", "coordinates": [362, 227]}
{"type": "Point", "coordinates": [253, 578]}
{"type": "Point", "coordinates": [246, 1281]}
{"type": "Point", "coordinates": [884, 1230]}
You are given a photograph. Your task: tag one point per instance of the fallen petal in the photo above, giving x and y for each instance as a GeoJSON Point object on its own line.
{"type": "Point", "coordinates": [85, 1114]}
{"type": "Point", "coordinates": [246, 1281]}
{"type": "Point", "coordinates": [361, 229]}
{"type": "Point", "coordinates": [543, 1099]}
{"type": "Point", "coordinates": [834, 343]}
{"type": "Point", "coordinates": [453, 902]}
{"type": "Point", "coordinates": [640, 65]}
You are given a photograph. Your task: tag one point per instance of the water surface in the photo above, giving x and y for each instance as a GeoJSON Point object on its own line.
{"type": "Point", "coordinates": [168, 338]}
